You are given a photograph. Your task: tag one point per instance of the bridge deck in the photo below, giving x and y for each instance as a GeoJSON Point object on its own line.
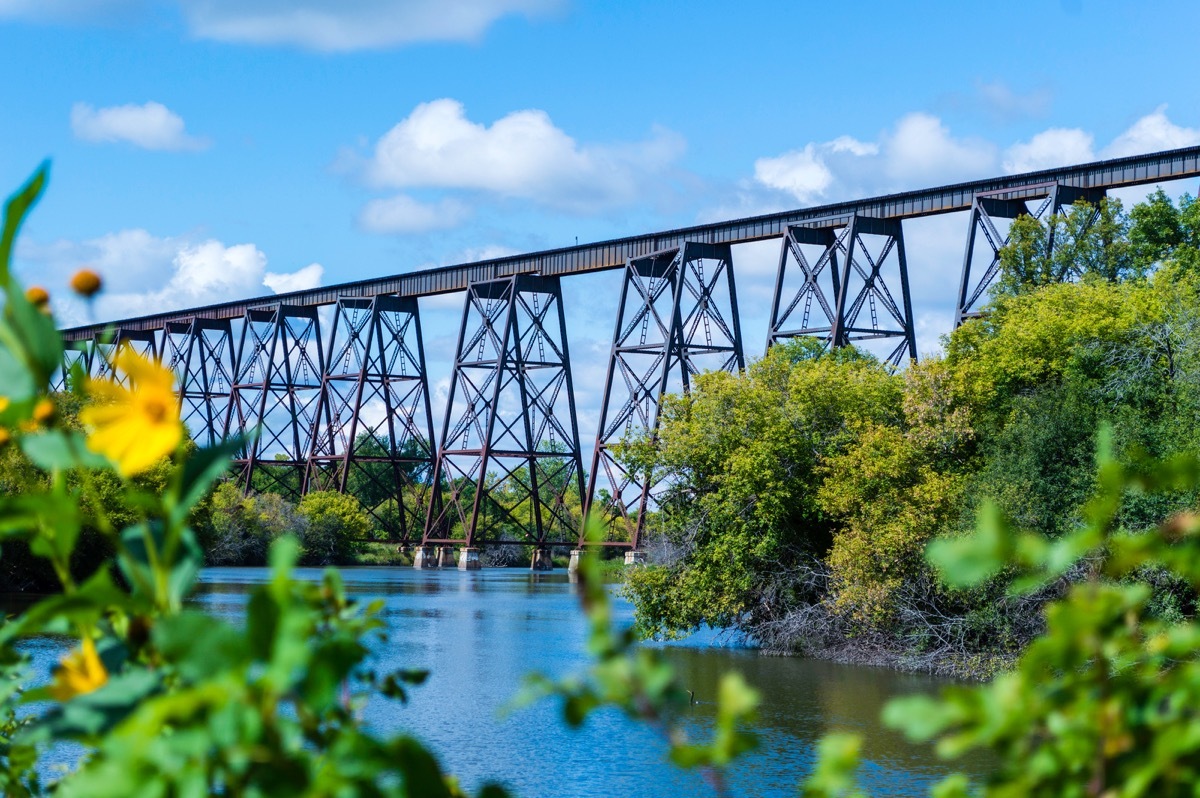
{"type": "Point", "coordinates": [1116, 173]}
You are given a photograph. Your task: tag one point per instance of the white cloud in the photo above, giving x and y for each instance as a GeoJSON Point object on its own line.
{"type": "Point", "coordinates": [145, 274]}
{"type": "Point", "coordinates": [323, 25]}
{"type": "Point", "coordinates": [299, 280]}
{"type": "Point", "coordinates": [151, 126]}
{"type": "Point", "coordinates": [801, 173]}
{"type": "Point", "coordinates": [1151, 133]}
{"type": "Point", "coordinates": [1003, 102]}
{"type": "Point", "coordinates": [337, 25]}
{"type": "Point", "coordinates": [403, 214]}
{"type": "Point", "coordinates": [922, 149]}
{"type": "Point", "coordinates": [1051, 148]}
{"type": "Point", "coordinates": [523, 155]}
{"type": "Point", "coordinates": [918, 150]}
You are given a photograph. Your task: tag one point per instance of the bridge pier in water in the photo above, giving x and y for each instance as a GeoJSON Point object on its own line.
{"type": "Point", "coordinates": [509, 457]}
{"type": "Point", "coordinates": [677, 317]}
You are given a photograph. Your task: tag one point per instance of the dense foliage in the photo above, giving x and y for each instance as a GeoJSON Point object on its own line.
{"type": "Point", "coordinates": [804, 492]}
{"type": "Point", "coordinates": [1103, 703]}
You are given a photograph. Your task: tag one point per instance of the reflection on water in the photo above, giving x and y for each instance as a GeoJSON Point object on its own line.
{"type": "Point", "coordinates": [480, 632]}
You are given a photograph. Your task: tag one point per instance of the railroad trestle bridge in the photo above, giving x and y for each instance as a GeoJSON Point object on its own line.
{"type": "Point", "coordinates": [348, 408]}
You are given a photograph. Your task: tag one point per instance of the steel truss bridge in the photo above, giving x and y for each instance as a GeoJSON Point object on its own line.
{"type": "Point", "coordinates": [347, 408]}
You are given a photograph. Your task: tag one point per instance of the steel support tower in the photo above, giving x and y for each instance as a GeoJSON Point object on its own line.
{"type": "Point", "coordinates": [853, 257]}
{"type": "Point", "coordinates": [278, 381]}
{"type": "Point", "coordinates": [509, 461]}
{"type": "Point", "coordinates": [374, 428]}
{"type": "Point", "coordinates": [677, 317]}
{"type": "Point", "coordinates": [201, 353]}
{"type": "Point", "coordinates": [990, 206]}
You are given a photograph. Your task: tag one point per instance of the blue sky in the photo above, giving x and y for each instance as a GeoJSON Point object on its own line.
{"type": "Point", "coordinates": [213, 149]}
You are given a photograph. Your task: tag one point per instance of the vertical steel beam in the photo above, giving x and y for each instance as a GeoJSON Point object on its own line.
{"type": "Point", "coordinates": [862, 307]}
{"type": "Point", "coordinates": [678, 312]}
{"type": "Point", "coordinates": [990, 206]}
{"type": "Point", "coordinates": [374, 429]}
{"type": "Point", "coordinates": [509, 459]}
{"type": "Point", "coordinates": [275, 391]}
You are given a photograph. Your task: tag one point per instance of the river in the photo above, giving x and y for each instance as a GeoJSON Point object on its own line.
{"type": "Point", "coordinates": [480, 632]}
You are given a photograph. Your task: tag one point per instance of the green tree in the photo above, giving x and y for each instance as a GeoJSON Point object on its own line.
{"type": "Point", "coordinates": [334, 524]}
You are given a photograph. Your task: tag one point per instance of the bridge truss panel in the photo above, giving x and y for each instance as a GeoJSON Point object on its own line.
{"type": "Point", "coordinates": [276, 386]}
{"type": "Point", "coordinates": [854, 260]}
{"type": "Point", "coordinates": [201, 353]}
{"type": "Point", "coordinates": [991, 215]}
{"type": "Point", "coordinates": [374, 429]}
{"type": "Point", "coordinates": [509, 463]}
{"type": "Point", "coordinates": [105, 348]}
{"type": "Point", "coordinates": [677, 317]}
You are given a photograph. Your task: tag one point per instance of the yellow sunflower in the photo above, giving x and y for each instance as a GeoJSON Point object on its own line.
{"type": "Point", "coordinates": [79, 673]}
{"type": "Point", "coordinates": [133, 426]}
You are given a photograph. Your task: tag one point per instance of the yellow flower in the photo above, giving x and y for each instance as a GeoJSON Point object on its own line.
{"type": "Point", "coordinates": [133, 426]}
{"type": "Point", "coordinates": [4, 403]}
{"type": "Point", "coordinates": [43, 411]}
{"type": "Point", "coordinates": [79, 673]}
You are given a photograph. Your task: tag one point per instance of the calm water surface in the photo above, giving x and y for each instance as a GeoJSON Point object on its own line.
{"type": "Point", "coordinates": [480, 632]}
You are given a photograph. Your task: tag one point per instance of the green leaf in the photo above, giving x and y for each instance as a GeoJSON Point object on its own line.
{"type": "Point", "coordinates": [18, 384]}
{"type": "Point", "coordinates": [15, 210]}
{"type": "Point", "coordinates": [970, 560]}
{"type": "Point", "coordinates": [199, 645]}
{"type": "Point", "coordinates": [54, 449]}
{"type": "Point", "coordinates": [204, 467]}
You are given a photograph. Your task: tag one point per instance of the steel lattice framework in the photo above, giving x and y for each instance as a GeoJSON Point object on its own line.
{"type": "Point", "coordinates": [677, 317]}
{"type": "Point", "coordinates": [509, 459]}
{"type": "Point", "coordinates": [990, 206]}
{"type": "Point", "coordinates": [373, 427]}
{"type": "Point", "coordinates": [275, 392]}
{"type": "Point", "coordinates": [854, 257]}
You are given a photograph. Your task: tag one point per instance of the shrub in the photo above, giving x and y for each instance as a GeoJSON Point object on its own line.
{"type": "Point", "coordinates": [333, 525]}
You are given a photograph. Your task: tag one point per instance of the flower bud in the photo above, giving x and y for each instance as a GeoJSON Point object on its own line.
{"type": "Point", "coordinates": [38, 297]}
{"type": "Point", "coordinates": [86, 283]}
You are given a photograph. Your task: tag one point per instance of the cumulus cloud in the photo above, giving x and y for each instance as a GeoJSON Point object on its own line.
{"type": "Point", "coordinates": [1151, 133]}
{"type": "Point", "coordinates": [918, 149]}
{"type": "Point", "coordinates": [1054, 147]}
{"type": "Point", "coordinates": [522, 155]}
{"type": "Point", "coordinates": [151, 126]}
{"type": "Point", "coordinates": [146, 274]}
{"type": "Point", "coordinates": [403, 214]}
{"type": "Point", "coordinates": [299, 280]}
{"type": "Point", "coordinates": [323, 25]}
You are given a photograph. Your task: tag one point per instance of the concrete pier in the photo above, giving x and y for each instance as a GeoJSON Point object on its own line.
{"type": "Point", "coordinates": [468, 560]}
{"type": "Point", "coordinates": [541, 560]}
{"type": "Point", "coordinates": [573, 566]}
{"type": "Point", "coordinates": [445, 557]}
{"type": "Point", "coordinates": [635, 557]}
{"type": "Point", "coordinates": [425, 557]}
